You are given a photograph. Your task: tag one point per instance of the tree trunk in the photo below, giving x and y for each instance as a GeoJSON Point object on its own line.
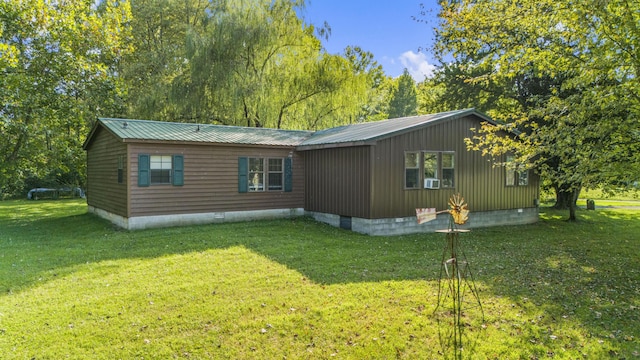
{"type": "Point", "coordinates": [566, 200]}
{"type": "Point", "coordinates": [572, 212]}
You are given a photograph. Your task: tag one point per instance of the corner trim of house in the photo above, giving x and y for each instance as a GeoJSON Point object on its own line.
{"type": "Point", "coordinates": [156, 221]}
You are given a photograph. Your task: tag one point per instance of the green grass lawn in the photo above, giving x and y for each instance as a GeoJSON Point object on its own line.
{"type": "Point", "coordinates": [73, 286]}
{"type": "Point", "coordinates": [628, 198]}
{"type": "Point", "coordinates": [623, 199]}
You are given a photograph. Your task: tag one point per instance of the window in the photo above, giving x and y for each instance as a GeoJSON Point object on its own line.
{"type": "Point", "coordinates": [523, 178]}
{"type": "Point", "coordinates": [261, 171]}
{"type": "Point", "coordinates": [275, 174]}
{"type": "Point", "coordinates": [160, 169]}
{"type": "Point", "coordinates": [121, 169]}
{"type": "Point", "coordinates": [448, 170]}
{"type": "Point", "coordinates": [412, 170]}
{"type": "Point", "coordinates": [256, 174]}
{"type": "Point", "coordinates": [437, 169]}
{"type": "Point", "coordinates": [514, 176]}
{"type": "Point", "coordinates": [430, 165]}
{"type": "Point", "coordinates": [511, 175]}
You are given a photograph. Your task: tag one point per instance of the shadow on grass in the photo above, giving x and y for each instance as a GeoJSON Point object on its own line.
{"type": "Point", "coordinates": [587, 271]}
{"type": "Point", "coordinates": [582, 278]}
{"type": "Point", "coordinates": [42, 244]}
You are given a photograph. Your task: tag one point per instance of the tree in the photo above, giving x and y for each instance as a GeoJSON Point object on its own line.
{"type": "Point", "coordinates": [57, 62]}
{"type": "Point", "coordinates": [564, 77]}
{"type": "Point", "coordinates": [404, 101]}
{"type": "Point", "coordinates": [257, 64]}
{"type": "Point", "coordinates": [159, 29]}
{"type": "Point", "coordinates": [377, 85]}
{"type": "Point", "coordinates": [429, 95]}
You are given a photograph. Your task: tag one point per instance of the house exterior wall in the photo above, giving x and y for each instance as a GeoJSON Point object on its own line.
{"type": "Point", "coordinates": [338, 181]}
{"type": "Point", "coordinates": [361, 187]}
{"type": "Point", "coordinates": [103, 189]}
{"type": "Point", "coordinates": [210, 181]}
{"type": "Point", "coordinates": [368, 181]}
{"type": "Point", "coordinates": [481, 184]}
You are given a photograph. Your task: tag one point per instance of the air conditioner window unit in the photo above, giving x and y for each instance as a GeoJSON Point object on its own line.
{"type": "Point", "coordinates": [432, 183]}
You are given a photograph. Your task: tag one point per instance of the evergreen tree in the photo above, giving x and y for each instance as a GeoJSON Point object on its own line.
{"type": "Point", "coordinates": [404, 101]}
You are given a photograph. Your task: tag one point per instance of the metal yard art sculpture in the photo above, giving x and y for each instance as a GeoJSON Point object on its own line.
{"type": "Point", "coordinates": [458, 209]}
{"type": "Point", "coordinates": [458, 311]}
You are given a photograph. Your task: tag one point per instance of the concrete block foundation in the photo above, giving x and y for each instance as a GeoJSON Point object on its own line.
{"type": "Point", "coordinates": [381, 227]}
{"type": "Point", "coordinates": [409, 225]}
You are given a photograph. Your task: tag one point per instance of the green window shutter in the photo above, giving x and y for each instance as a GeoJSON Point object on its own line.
{"type": "Point", "coordinates": [178, 170]}
{"type": "Point", "coordinates": [288, 174]}
{"type": "Point", "coordinates": [143, 170]}
{"type": "Point", "coordinates": [243, 169]}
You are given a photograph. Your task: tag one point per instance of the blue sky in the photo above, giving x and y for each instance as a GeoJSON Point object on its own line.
{"type": "Point", "coordinates": [382, 27]}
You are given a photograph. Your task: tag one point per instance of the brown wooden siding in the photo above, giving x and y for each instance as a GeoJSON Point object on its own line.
{"type": "Point", "coordinates": [103, 189]}
{"type": "Point", "coordinates": [338, 181]}
{"type": "Point", "coordinates": [482, 185]}
{"type": "Point", "coordinates": [210, 181]}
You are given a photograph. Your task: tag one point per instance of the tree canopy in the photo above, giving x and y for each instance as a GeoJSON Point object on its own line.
{"type": "Point", "coordinates": [57, 62]}
{"type": "Point", "coordinates": [404, 99]}
{"type": "Point", "coordinates": [235, 62]}
{"type": "Point", "coordinates": [250, 63]}
{"type": "Point", "coordinates": [562, 75]}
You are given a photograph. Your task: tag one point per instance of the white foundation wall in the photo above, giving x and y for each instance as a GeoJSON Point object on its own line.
{"type": "Point", "coordinates": [148, 222]}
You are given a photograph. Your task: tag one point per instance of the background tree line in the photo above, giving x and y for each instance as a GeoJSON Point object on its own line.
{"type": "Point", "coordinates": [232, 62]}
{"type": "Point", "coordinates": [561, 77]}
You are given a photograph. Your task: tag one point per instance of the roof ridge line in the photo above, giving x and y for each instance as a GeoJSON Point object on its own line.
{"type": "Point", "coordinates": [204, 124]}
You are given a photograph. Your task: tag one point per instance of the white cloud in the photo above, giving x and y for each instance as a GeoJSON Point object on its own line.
{"type": "Point", "coordinates": [417, 64]}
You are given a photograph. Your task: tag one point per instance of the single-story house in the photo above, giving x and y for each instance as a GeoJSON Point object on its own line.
{"type": "Point", "coordinates": [367, 177]}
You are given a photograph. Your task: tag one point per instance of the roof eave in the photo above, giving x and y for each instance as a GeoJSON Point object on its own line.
{"type": "Point", "coordinates": [205, 143]}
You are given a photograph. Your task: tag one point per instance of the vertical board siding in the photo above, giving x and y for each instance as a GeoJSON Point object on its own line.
{"type": "Point", "coordinates": [480, 183]}
{"type": "Point", "coordinates": [338, 181]}
{"type": "Point", "coordinates": [210, 181]}
{"type": "Point", "coordinates": [103, 189]}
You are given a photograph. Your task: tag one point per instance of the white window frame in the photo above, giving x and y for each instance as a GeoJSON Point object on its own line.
{"type": "Point", "coordinates": [275, 186]}
{"type": "Point", "coordinates": [160, 163]}
{"type": "Point", "coordinates": [445, 182]}
{"type": "Point", "coordinates": [259, 179]}
{"type": "Point", "coordinates": [256, 174]}
{"type": "Point", "coordinates": [433, 180]}
{"type": "Point", "coordinates": [416, 168]}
